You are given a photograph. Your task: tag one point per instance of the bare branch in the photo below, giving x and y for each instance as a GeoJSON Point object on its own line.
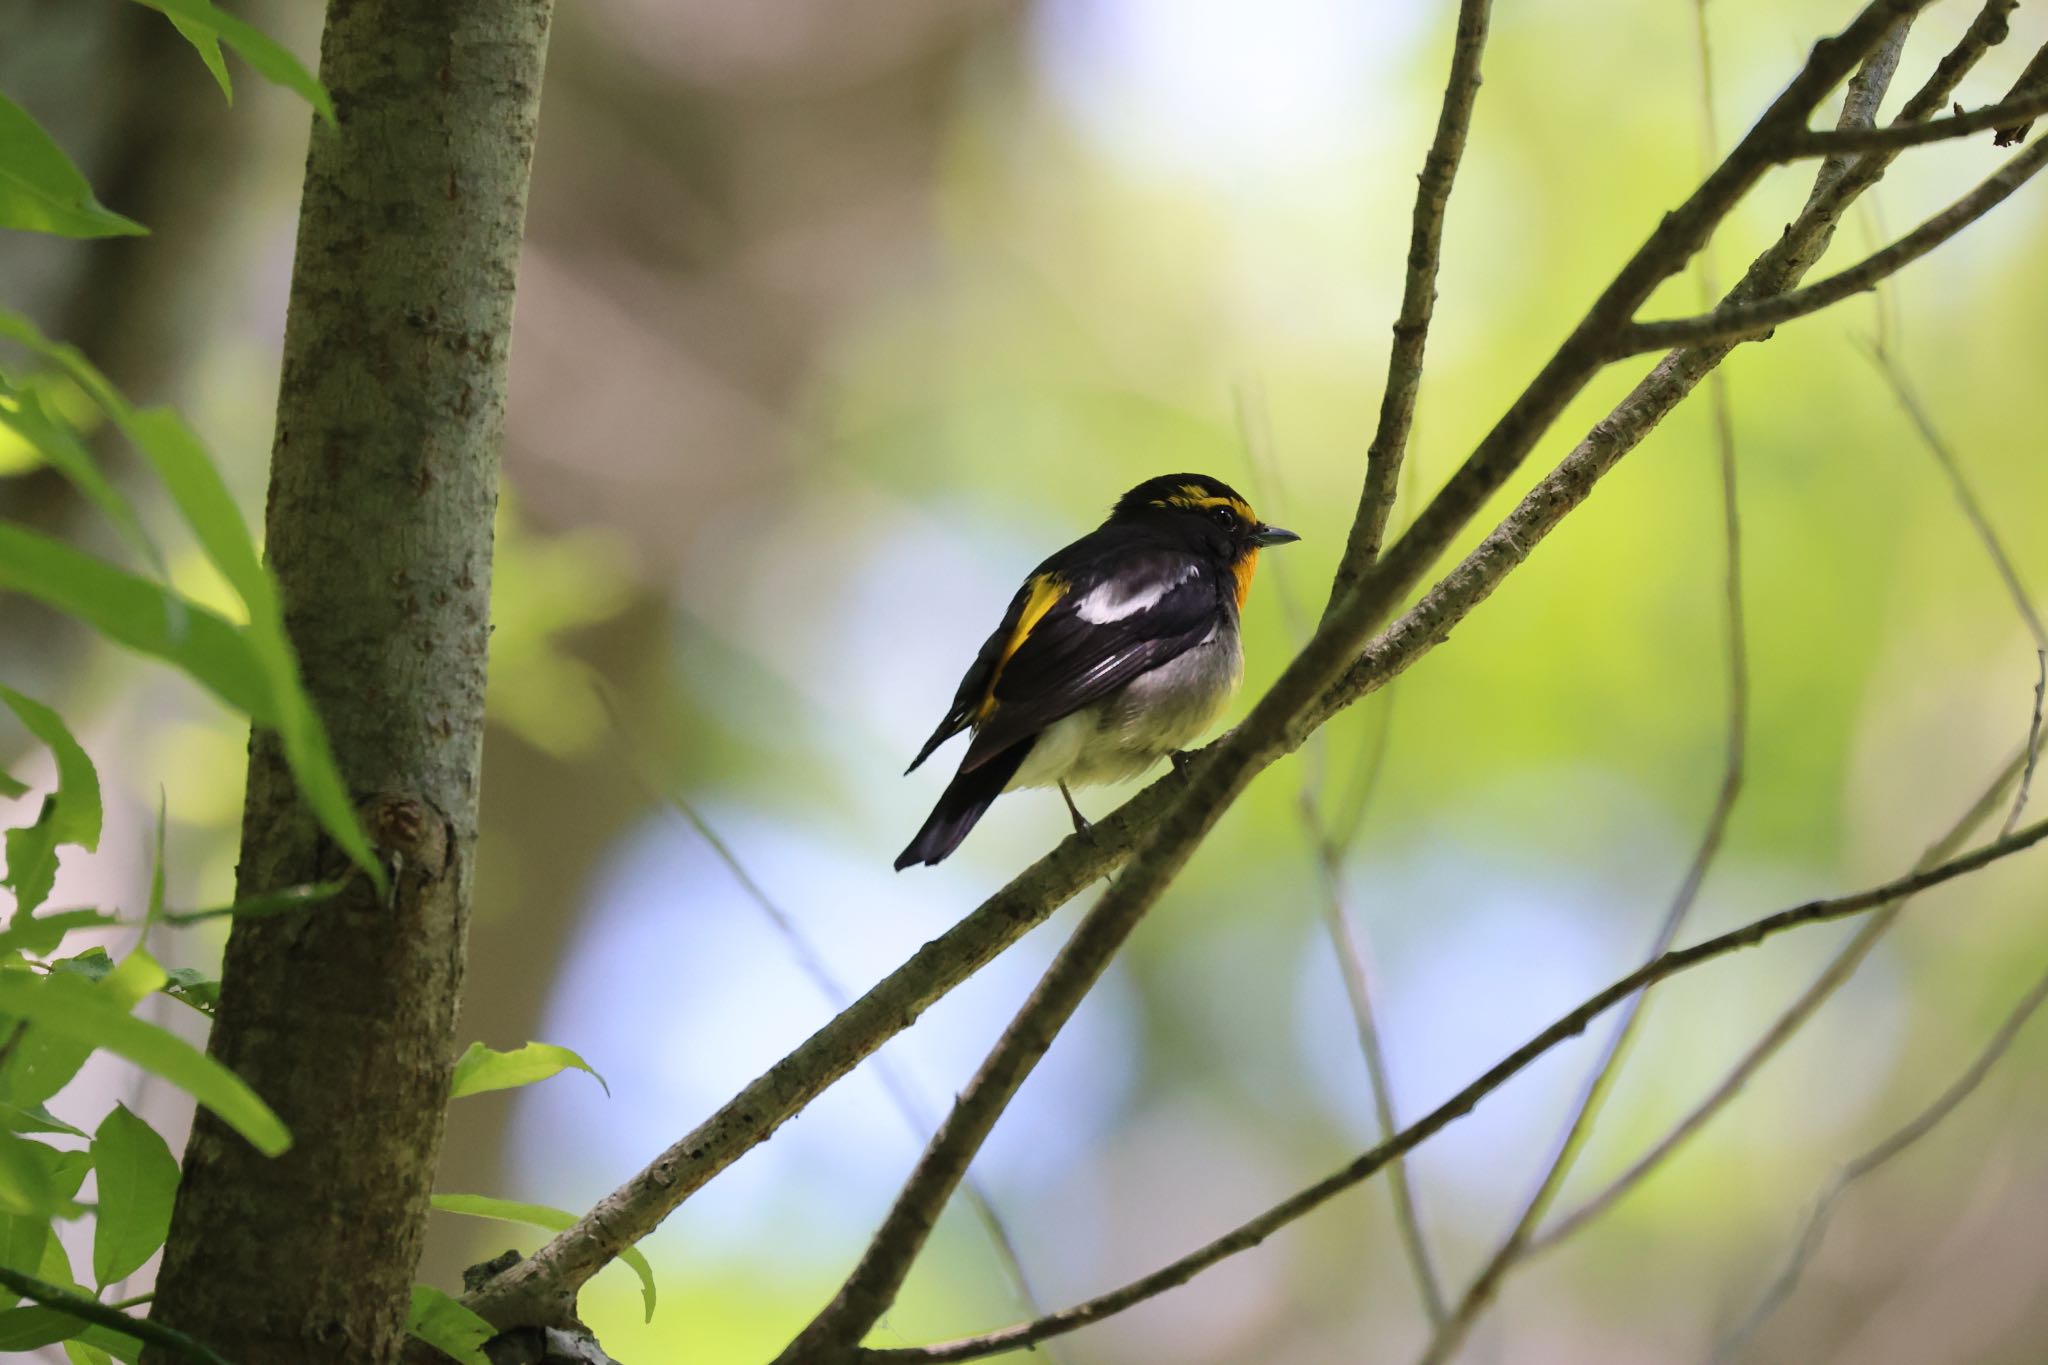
{"type": "Point", "coordinates": [1838, 970]}
{"type": "Point", "coordinates": [1418, 302]}
{"type": "Point", "coordinates": [1740, 322]}
{"type": "Point", "coordinates": [1254, 1231]}
{"type": "Point", "coordinates": [901, 1092]}
{"type": "Point", "coordinates": [1222, 774]}
{"type": "Point", "coordinates": [2032, 81]}
{"type": "Point", "coordinates": [543, 1287]}
{"type": "Point", "coordinates": [1578, 1128]}
{"type": "Point", "coordinates": [1901, 136]}
{"type": "Point", "coordinates": [1842, 180]}
{"type": "Point", "coordinates": [1353, 965]}
{"type": "Point", "coordinates": [1919, 1126]}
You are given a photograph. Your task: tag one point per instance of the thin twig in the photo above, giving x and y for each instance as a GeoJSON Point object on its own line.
{"type": "Point", "coordinates": [1348, 946]}
{"type": "Point", "coordinates": [1222, 775]}
{"type": "Point", "coordinates": [1606, 1071]}
{"type": "Point", "coordinates": [1255, 1230]}
{"type": "Point", "coordinates": [1840, 183]}
{"type": "Point", "coordinates": [1354, 964]}
{"type": "Point", "coordinates": [1973, 509]}
{"type": "Point", "coordinates": [1839, 969]}
{"type": "Point", "coordinates": [901, 1092]}
{"type": "Point", "coordinates": [1418, 302]}
{"type": "Point", "coordinates": [543, 1287]}
{"type": "Point", "coordinates": [1899, 137]}
{"type": "Point", "coordinates": [88, 1309]}
{"type": "Point", "coordinates": [1914, 1129]}
{"type": "Point", "coordinates": [1740, 322]}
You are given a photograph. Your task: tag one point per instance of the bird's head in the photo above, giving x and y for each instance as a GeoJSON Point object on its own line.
{"type": "Point", "coordinates": [1206, 514]}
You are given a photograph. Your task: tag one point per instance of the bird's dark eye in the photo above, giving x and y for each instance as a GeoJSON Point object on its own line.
{"type": "Point", "coordinates": [1224, 517]}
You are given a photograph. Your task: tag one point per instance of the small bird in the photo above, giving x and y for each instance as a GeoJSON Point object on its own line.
{"type": "Point", "coordinates": [1117, 651]}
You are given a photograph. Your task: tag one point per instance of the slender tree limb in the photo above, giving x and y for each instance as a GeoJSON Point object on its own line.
{"type": "Point", "coordinates": [1600, 1080]}
{"type": "Point", "coordinates": [2032, 81]}
{"type": "Point", "coordinates": [1841, 181]}
{"type": "Point", "coordinates": [1901, 136]}
{"type": "Point", "coordinates": [1255, 1230]}
{"type": "Point", "coordinates": [88, 1309]}
{"type": "Point", "coordinates": [811, 962]}
{"type": "Point", "coordinates": [1794, 1017]}
{"type": "Point", "coordinates": [1349, 947]}
{"type": "Point", "coordinates": [543, 1287]}
{"type": "Point", "coordinates": [1741, 322]}
{"type": "Point", "coordinates": [1353, 965]}
{"type": "Point", "coordinates": [1980, 522]}
{"type": "Point", "coordinates": [1418, 302]}
{"type": "Point", "coordinates": [1225, 772]}
{"type": "Point", "coordinates": [1914, 1129]}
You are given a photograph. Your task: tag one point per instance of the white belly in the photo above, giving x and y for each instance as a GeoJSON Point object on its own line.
{"type": "Point", "coordinates": [1154, 714]}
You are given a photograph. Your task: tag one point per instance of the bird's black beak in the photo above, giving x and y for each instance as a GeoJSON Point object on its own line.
{"type": "Point", "coordinates": [1263, 534]}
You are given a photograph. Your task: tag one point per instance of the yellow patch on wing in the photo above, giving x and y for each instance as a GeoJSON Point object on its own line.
{"type": "Point", "coordinates": [1045, 589]}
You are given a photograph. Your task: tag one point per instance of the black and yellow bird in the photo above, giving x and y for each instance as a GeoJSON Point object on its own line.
{"type": "Point", "coordinates": [1117, 651]}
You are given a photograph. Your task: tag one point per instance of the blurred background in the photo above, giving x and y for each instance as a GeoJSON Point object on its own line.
{"type": "Point", "coordinates": [833, 320]}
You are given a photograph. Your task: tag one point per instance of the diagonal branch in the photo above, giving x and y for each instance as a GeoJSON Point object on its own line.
{"type": "Point", "coordinates": [1418, 302]}
{"type": "Point", "coordinates": [543, 1287]}
{"type": "Point", "coordinates": [1838, 970]}
{"type": "Point", "coordinates": [1480, 1292]}
{"type": "Point", "coordinates": [1916, 1128]}
{"type": "Point", "coordinates": [1255, 1230]}
{"type": "Point", "coordinates": [1225, 772]}
{"type": "Point", "coordinates": [1898, 137]}
{"type": "Point", "coordinates": [87, 1309]}
{"type": "Point", "coordinates": [811, 962]}
{"type": "Point", "coordinates": [1743, 321]}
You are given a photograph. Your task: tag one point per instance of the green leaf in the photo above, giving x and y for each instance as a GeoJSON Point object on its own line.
{"type": "Point", "coordinates": [482, 1068]}
{"type": "Point", "coordinates": [22, 1239]}
{"type": "Point", "coordinates": [38, 936]}
{"type": "Point", "coordinates": [30, 1182]}
{"type": "Point", "coordinates": [69, 1007]}
{"type": "Point", "coordinates": [138, 1177]}
{"type": "Point", "coordinates": [288, 900]}
{"type": "Point", "coordinates": [78, 815]}
{"type": "Point", "coordinates": [549, 1220]}
{"type": "Point", "coordinates": [32, 860]}
{"type": "Point", "coordinates": [16, 1118]}
{"type": "Point", "coordinates": [22, 411]}
{"type": "Point", "coordinates": [41, 191]}
{"type": "Point", "coordinates": [266, 57]}
{"type": "Point", "coordinates": [181, 462]}
{"type": "Point", "coordinates": [9, 788]}
{"type": "Point", "coordinates": [195, 988]}
{"type": "Point", "coordinates": [448, 1327]}
{"type": "Point", "coordinates": [207, 44]}
{"type": "Point", "coordinates": [139, 614]}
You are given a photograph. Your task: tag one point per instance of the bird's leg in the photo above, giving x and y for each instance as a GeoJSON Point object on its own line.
{"type": "Point", "coordinates": [1081, 822]}
{"type": "Point", "coordinates": [1183, 762]}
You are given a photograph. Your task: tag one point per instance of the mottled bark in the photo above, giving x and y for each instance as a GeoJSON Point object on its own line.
{"type": "Point", "coordinates": [383, 483]}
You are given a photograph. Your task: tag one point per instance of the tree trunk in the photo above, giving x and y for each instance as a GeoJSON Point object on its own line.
{"type": "Point", "coordinates": [383, 484]}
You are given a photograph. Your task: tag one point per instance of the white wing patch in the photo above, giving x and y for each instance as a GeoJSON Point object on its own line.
{"type": "Point", "coordinates": [1113, 601]}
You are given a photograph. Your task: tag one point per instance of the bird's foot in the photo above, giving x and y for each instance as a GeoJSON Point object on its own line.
{"type": "Point", "coordinates": [1183, 762]}
{"type": "Point", "coordinates": [1082, 824]}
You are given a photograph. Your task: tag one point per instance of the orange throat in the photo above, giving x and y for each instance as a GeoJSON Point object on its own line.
{"type": "Point", "coordinates": [1242, 570]}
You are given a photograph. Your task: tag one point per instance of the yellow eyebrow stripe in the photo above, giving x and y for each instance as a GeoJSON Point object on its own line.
{"type": "Point", "coordinates": [1195, 496]}
{"type": "Point", "coordinates": [1045, 590]}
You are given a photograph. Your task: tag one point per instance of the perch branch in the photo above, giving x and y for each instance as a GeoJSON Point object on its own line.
{"type": "Point", "coordinates": [1254, 1231]}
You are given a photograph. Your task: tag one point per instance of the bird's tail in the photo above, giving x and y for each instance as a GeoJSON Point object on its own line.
{"type": "Point", "coordinates": [961, 806]}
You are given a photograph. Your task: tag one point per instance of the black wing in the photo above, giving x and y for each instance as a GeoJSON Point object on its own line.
{"type": "Point", "coordinates": [1124, 609]}
{"type": "Point", "coordinates": [1040, 593]}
